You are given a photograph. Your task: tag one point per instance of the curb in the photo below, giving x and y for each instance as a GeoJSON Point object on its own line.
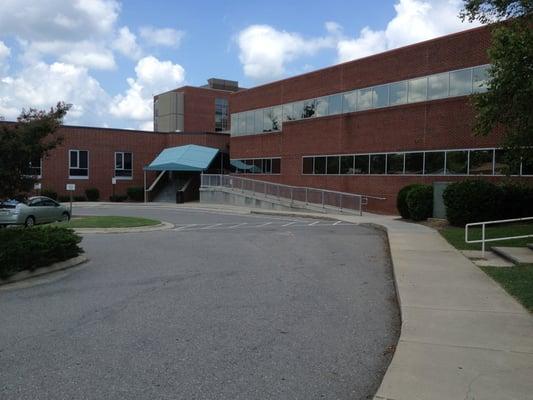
{"type": "Point", "coordinates": [329, 217]}
{"type": "Point", "coordinates": [60, 266]}
{"type": "Point", "coordinates": [163, 226]}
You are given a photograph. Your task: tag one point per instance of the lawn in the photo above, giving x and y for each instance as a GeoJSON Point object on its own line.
{"type": "Point", "coordinates": [456, 236]}
{"type": "Point", "coordinates": [108, 222]}
{"type": "Point", "coordinates": [518, 281]}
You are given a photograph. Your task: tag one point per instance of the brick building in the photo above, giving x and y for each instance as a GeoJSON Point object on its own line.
{"type": "Point", "coordinates": [368, 126]}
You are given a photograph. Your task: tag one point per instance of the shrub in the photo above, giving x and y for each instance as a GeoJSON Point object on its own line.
{"type": "Point", "coordinates": [472, 201]}
{"type": "Point", "coordinates": [118, 198]}
{"type": "Point", "coordinates": [401, 200]}
{"type": "Point", "coordinates": [420, 202]}
{"type": "Point", "coordinates": [136, 193]}
{"type": "Point", "coordinates": [93, 194]}
{"type": "Point", "coordinates": [49, 193]}
{"type": "Point", "coordinates": [517, 201]}
{"type": "Point", "coordinates": [28, 249]}
{"type": "Point", "coordinates": [79, 198]}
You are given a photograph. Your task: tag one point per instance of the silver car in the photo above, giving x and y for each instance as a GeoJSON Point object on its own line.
{"type": "Point", "coordinates": [36, 210]}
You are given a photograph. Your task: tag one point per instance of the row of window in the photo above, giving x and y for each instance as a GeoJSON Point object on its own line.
{"type": "Point", "coordinates": [257, 166]}
{"type": "Point", "coordinates": [434, 162]}
{"type": "Point", "coordinates": [221, 115]}
{"type": "Point", "coordinates": [447, 84]}
{"type": "Point", "coordinates": [79, 165]}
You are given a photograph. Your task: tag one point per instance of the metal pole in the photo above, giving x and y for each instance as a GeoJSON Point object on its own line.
{"type": "Point", "coordinates": [306, 203]}
{"type": "Point", "coordinates": [323, 199]}
{"type": "Point", "coordinates": [291, 196]}
{"type": "Point", "coordinates": [483, 241]}
{"type": "Point", "coordinates": [340, 202]}
{"type": "Point", "coordinates": [145, 186]}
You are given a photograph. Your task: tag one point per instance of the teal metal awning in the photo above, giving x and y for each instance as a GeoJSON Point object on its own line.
{"type": "Point", "coordinates": [187, 158]}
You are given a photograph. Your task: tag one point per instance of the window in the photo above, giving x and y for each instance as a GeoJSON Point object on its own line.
{"type": "Point", "coordinates": [377, 163]}
{"type": "Point", "coordinates": [398, 93]}
{"type": "Point", "coordinates": [434, 164]}
{"type": "Point", "coordinates": [349, 102]}
{"type": "Point", "coordinates": [258, 124]}
{"type": "Point", "coordinates": [347, 165]}
{"type": "Point", "coordinates": [234, 124]}
{"type": "Point", "coordinates": [333, 165]}
{"type": "Point", "coordinates": [267, 166]}
{"type": "Point", "coordinates": [78, 164]}
{"type": "Point", "coordinates": [481, 162]}
{"type": "Point", "coordinates": [309, 109]}
{"type": "Point", "coordinates": [258, 166]}
{"type": "Point", "coordinates": [298, 110]}
{"type": "Point", "coordinates": [361, 164]}
{"type": "Point", "coordinates": [461, 82]}
{"type": "Point", "coordinates": [320, 165]}
{"type": "Point", "coordinates": [438, 86]}
{"type": "Point", "coordinates": [221, 115]}
{"type": "Point", "coordinates": [527, 167]}
{"type": "Point", "coordinates": [322, 107]}
{"type": "Point", "coordinates": [417, 90]}
{"type": "Point", "coordinates": [307, 165]}
{"type": "Point", "coordinates": [123, 165]}
{"type": "Point", "coordinates": [276, 165]}
{"type": "Point", "coordinates": [480, 79]}
{"type": "Point", "coordinates": [335, 104]}
{"type": "Point", "coordinates": [250, 123]}
{"type": "Point", "coordinates": [381, 96]}
{"type": "Point", "coordinates": [277, 118]}
{"type": "Point", "coordinates": [414, 163]}
{"type": "Point", "coordinates": [268, 120]}
{"type": "Point", "coordinates": [288, 114]}
{"type": "Point", "coordinates": [395, 163]}
{"type": "Point", "coordinates": [35, 168]}
{"type": "Point", "coordinates": [242, 123]}
{"type": "Point", "coordinates": [456, 162]}
{"type": "Point", "coordinates": [364, 99]}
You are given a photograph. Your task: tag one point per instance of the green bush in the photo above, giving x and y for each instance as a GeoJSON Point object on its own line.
{"type": "Point", "coordinates": [136, 193]}
{"type": "Point", "coordinates": [472, 201]}
{"type": "Point", "coordinates": [118, 198]}
{"type": "Point", "coordinates": [401, 200]}
{"type": "Point", "coordinates": [79, 198]}
{"type": "Point", "coordinates": [93, 194]}
{"type": "Point", "coordinates": [49, 193]}
{"type": "Point", "coordinates": [28, 249]}
{"type": "Point", "coordinates": [517, 201]}
{"type": "Point", "coordinates": [420, 202]}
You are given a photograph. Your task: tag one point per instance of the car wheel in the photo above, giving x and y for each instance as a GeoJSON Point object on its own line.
{"type": "Point", "coordinates": [65, 217]}
{"type": "Point", "coordinates": [30, 221]}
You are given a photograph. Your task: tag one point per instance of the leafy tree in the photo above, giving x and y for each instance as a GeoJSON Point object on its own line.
{"type": "Point", "coordinates": [30, 138]}
{"type": "Point", "coordinates": [507, 106]}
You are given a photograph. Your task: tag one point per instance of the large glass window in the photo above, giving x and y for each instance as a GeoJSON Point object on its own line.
{"type": "Point", "coordinates": [78, 163]}
{"type": "Point", "coordinates": [434, 163]}
{"type": "Point", "coordinates": [250, 122]}
{"type": "Point", "coordinates": [276, 165]}
{"type": "Point", "coordinates": [527, 167]}
{"type": "Point", "coordinates": [377, 163]}
{"type": "Point", "coordinates": [288, 114]}
{"type": "Point", "coordinates": [398, 93]}
{"type": "Point", "coordinates": [438, 86]}
{"type": "Point", "coordinates": [481, 162]}
{"type": "Point", "coordinates": [502, 166]}
{"type": "Point", "coordinates": [364, 99]}
{"type": "Point", "coordinates": [221, 115]}
{"type": "Point", "coordinates": [395, 163]}
{"type": "Point", "coordinates": [320, 165]}
{"type": "Point", "coordinates": [349, 102]}
{"type": "Point", "coordinates": [347, 165]}
{"type": "Point", "coordinates": [414, 163]}
{"type": "Point", "coordinates": [258, 118]}
{"type": "Point", "coordinates": [298, 109]}
{"type": "Point", "coordinates": [268, 120]}
{"type": "Point", "coordinates": [461, 82]}
{"type": "Point", "coordinates": [480, 79]}
{"type": "Point", "coordinates": [310, 107]}
{"type": "Point", "coordinates": [361, 164]}
{"type": "Point", "coordinates": [321, 107]}
{"type": "Point", "coordinates": [456, 162]}
{"type": "Point", "coordinates": [333, 165]}
{"type": "Point", "coordinates": [35, 167]}
{"type": "Point", "coordinates": [417, 90]}
{"type": "Point", "coordinates": [277, 118]}
{"type": "Point", "coordinates": [335, 104]}
{"type": "Point", "coordinates": [258, 166]}
{"type": "Point", "coordinates": [234, 124]}
{"type": "Point", "coordinates": [381, 96]}
{"type": "Point", "coordinates": [307, 165]}
{"type": "Point", "coordinates": [123, 164]}
{"type": "Point", "coordinates": [242, 123]}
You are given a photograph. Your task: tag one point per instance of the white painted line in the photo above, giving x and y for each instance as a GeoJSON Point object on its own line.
{"type": "Point", "coordinates": [181, 228]}
{"type": "Point", "coordinates": [211, 226]}
{"type": "Point", "coordinates": [337, 223]}
{"type": "Point", "coordinates": [313, 223]}
{"type": "Point", "coordinates": [236, 226]}
{"type": "Point", "coordinates": [265, 224]}
{"type": "Point", "coordinates": [289, 224]}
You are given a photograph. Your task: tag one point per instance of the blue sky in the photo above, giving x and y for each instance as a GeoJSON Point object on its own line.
{"type": "Point", "coordinates": [108, 57]}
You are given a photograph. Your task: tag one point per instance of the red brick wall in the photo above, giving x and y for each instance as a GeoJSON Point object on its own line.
{"type": "Point", "coordinates": [199, 109]}
{"type": "Point", "coordinates": [102, 144]}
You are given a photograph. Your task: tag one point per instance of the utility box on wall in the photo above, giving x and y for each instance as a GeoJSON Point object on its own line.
{"type": "Point", "coordinates": [439, 211]}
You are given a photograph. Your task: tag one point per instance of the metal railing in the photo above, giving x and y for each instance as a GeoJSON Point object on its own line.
{"type": "Point", "coordinates": [295, 195]}
{"type": "Point", "coordinates": [484, 239]}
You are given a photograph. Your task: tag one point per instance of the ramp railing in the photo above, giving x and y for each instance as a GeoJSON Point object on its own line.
{"type": "Point", "coordinates": [293, 195]}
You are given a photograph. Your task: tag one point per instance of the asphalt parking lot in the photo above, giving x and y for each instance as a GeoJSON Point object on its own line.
{"type": "Point", "coordinates": [223, 306]}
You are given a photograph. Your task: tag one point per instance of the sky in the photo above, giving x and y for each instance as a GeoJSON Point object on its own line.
{"type": "Point", "coordinates": [108, 57]}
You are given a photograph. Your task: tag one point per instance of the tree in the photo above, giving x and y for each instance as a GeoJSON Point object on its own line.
{"type": "Point", "coordinates": [508, 104]}
{"type": "Point", "coordinates": [30, 138]}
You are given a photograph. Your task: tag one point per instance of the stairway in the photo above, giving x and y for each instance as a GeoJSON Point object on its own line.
{"type": "Point", "coordinates": [517, 255]}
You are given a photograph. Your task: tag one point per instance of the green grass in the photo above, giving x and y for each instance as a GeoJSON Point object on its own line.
{"type": "Point", "coordinates": [456, 236]}
{"type": "Point", "coordinates": [517, 281]}
{"type": "Point", "coordinates": [108, 222]}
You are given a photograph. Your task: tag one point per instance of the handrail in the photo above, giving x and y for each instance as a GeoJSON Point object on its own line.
{"type": "Point", "coordinates": [483, 240]}
{"type": "Point", "coordinates": [156, 181]}
{"type": "Point", "coordinates": [300, 194]}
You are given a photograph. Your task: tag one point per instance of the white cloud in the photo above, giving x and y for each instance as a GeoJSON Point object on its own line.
{"type": "Point", "coordinates": [5, 52]}
{"type": "Point", "coordinates": [415, 21]}
{"type": "Point", "coordinates": [162, 37]}
{"type": "Point", "coordinates": [265, 51]}
{"type": "Point", "coordinates": [126, 44]}
{"type": "Point", "coordinates": [147, 126]}
{"type": "Point", "coordinates": [152, 77]}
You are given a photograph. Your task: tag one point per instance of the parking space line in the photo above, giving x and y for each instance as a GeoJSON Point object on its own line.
{"type": "Point", "coordinates": [181, 228]}
{"type": "Point", "coordinates": [313, 223]}
{"type": "Point", "coordinates": [265, 224]}
{"type": "Point", "coordinates": [337, 223]}
{"type": "Point", "coordinates": [289, 224]}
{"type": "Point", "coordinates": [211, 226]}
{"type": "Point", "coordinates": [236, 226]}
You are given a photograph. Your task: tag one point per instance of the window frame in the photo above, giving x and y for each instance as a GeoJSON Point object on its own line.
{"type": "Point", "coordinates": [70, 167]}
{"type": "Point", "coordinates": [126, 177]}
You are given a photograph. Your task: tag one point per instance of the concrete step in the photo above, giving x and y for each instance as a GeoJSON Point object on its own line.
{"type": "Point", "coordinates": [517, 255]}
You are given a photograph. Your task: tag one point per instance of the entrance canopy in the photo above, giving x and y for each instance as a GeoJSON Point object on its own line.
{"type": "Point", "coordinates": [189, 158]}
